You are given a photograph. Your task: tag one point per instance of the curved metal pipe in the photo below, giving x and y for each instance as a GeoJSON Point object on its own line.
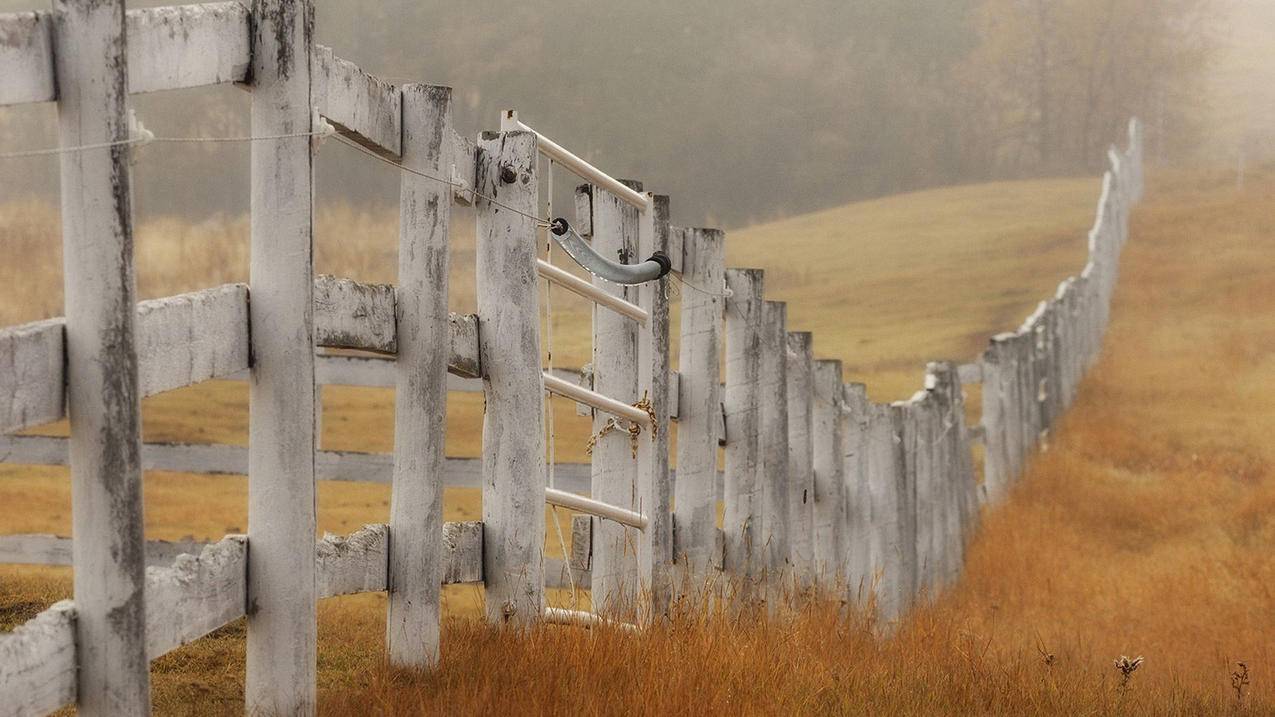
{"type": "Point", "coordinates": [578, 249]}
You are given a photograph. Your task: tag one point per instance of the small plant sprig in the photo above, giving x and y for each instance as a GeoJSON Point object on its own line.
{"type": "Point", "coordinates": [1239, 680]}
{"type": "Point", "coordinates": [1127, 667]}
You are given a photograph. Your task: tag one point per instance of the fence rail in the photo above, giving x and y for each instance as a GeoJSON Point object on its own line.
{"type": "Point", "coordinates": [821, 488]}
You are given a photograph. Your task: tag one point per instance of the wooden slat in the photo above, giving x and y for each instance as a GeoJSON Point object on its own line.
{"type": "Point", "coordinates": [168, 48]}
{"type": "Point", "coordinates": [282, 632]}
{"type": "Point", "coordinates": [195, 596]}
{"type": "Point", "coordinates": [349, 314]}
{"type": "Point", "coordinates": [860, 561]}
{"type": "Point", "coordinates": [699, 413]}
{"type": "Point", "coordinates": [420, 406]}
{"type": "Point", "coordinates": [354, 563]}
{"type": "Point", "coordinates": [773, 477]}
{"type": "Point", "coordinates": [188, 46]}
{"type": "Point", "coordinates": [193, 337]}
{"type": "Point", "coordinates": [742, 406]}
{"type": "Point", "coordinates": [828, 464]}
{"type": "Point", "coordinates": [616, 339]}
{"type": "Point", "coordinates": [655, 380]}
{"type": "Point", "coordinates": [801, 474]}
{"type": "Point", "coordinates": [26, 54]}
{"type": "Point", "coordinates": [513, 423]}
{"type": "Point", "coordinates": [362, 107]}
{"type": "Point", "coordinates": [37, 663]}
{"type": "Point", "coordinates": [31, 375]}
{"type": "Point", "coordinates": [103, 394]}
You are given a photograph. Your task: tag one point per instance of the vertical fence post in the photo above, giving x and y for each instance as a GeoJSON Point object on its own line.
{"type": "Point", "coordinates": [281, 490]}
{"type": "Point", "coordinates": [743, 446]}
{"type": "Point", "coordinates": [829, 503]}
{"type": "Point", "coordinates": [774, 444]}
{"type": "Point", "coordinates": [102, 378]}
{"type": "Point", "coordinates": [998, 418]}
{"type": "Point", "coordinates": [858, 559]}
{"type": "Point", "coordinates": [801, 473]}
{"type": "Point", "coordinates": [420, 404]}
{"type": "Point", "coordinates": [888, 473]}
{"type": "Point", "coordinates": [513, 384]}
{"type": "Point", "coordinates": [616, 579]}
{"type": "Point", "coordinates": [699, 403]}
{"type": "Point", "coordinates": [654, 375]}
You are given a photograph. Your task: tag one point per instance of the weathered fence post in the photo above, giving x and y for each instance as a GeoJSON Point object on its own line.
{"type": "Point", "coordinates": [743, 445]}
{"type": "Point", "coordinates": [859, 563]}
{"type": "Point", "coordinates": [999, 418]}
{"type": "Point", "coordinates": [699, 403]}
{"type": "Point", "coordinates": [281, 490]}
{"type": "Point", "coordinates": [654, 375]}
{"type": "Point", "coordinates": [801, 473]}
{"type": "Point", "coordinates": [895, 495]}
{"type": "Point", "coordinates": [420, 404]}
{"type": "Point", "coordinates": [774, 443]}
{"type": "Point", "coordinates": [513, 384]}
{"type": "Point", "coordinates": [616, 578]}
{"type": "Point", "coordinates": [829, 484]}
{"type": "Point", "coordinates": [103, 400]}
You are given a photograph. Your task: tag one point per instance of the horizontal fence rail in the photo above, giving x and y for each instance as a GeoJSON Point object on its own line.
{"type": "Point", "coordinates": [823, 489]}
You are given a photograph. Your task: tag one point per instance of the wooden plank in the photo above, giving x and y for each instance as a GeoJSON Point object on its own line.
{"type": "Point", "coordinates": [581, 557]}
{"type": "Point", "coordinates": [420, 407]}
{"type": "Point", "coordinates": [281, 492]}
{"type": "Point", "coordinates": [464, 152]}
{"type": "Point", "coordinates": [971, 373]}
{"type": "Point", "coordinates": [655, 380]}
{"type": "Point", "coordinates": [860, 565]}
{"type": "Point", "coordinates": [193, 337]}
{"type": "Point", "coordinates": [37, 663]}
{"type": "Point", "coordinates": [354, 563]}
{"type": "Point", "coordinates": [362, 107]}
{"type": "Point", "coordinates": [829, 484]}
{"type": "Point", "coordinates": [617, 581]}
{"type": "Point", "coordinates": [104, 402]}
{"type": "Point", "coordinates": [773, 425]}
{"type": "Point", "coordinates": [168, 48]}
{"type": "Point", "coordinates": [513, 423]}
{"type": "Point", "coordinates": [26, 54]}
{"type": "Point", "coordinates": [742, 402]}
{"type": "Point", "coordinates": [462, 552]}
{"type": "Point", "coordinates": [699, 411]}
{"type": "Point", "coordinates": [801, 475]}
{"type": "Point", "coordinates": [889, 503]}
{"type": "Point", "coordinates": [349, 314]}
{"type": "Point", "coordinates": [32, 382]}
{"type": "Point", "coordinates": [188, 46]}
{"type": "Point", "coordinates": [196, 595]}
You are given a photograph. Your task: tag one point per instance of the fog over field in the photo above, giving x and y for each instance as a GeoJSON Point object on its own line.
{"type": "Point", "coordinates": [746, 111]}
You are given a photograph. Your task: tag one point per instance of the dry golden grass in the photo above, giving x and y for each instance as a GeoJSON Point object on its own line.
{"type": "Point", "coordinates": [1144, 529]}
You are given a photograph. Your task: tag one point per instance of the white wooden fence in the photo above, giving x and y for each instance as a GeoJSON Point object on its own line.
{"type": "Point", "coordinates": [821, 486]}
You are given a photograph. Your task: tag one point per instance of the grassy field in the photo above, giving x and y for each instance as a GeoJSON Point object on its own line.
{"type": "Point", "coordinates": [1142, 530]}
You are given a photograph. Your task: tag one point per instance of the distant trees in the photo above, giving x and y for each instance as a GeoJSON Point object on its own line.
{"type": "Point", "coordinates": [1062, 76]}
{"type": "Point", "coordinates": [743, 110]}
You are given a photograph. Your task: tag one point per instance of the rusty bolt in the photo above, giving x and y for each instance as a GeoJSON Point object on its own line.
{"type": "Point", "coordinates": [508, 175]}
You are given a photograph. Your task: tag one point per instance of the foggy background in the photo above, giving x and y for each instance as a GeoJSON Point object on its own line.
{"type": "Point", "coordinates": [745, 111]}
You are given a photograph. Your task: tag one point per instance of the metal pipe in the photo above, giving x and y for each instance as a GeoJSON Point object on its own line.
{"type": "Point", "coordinates": [563, 499]}
{"type": "Point", "coordinates": [509, 122]}
{"type": "Point", "coordinates": [579, 286]}
{"type": "Point", "coordinates": [579, 394]}
{"type": "Point", "coordinates": [594, 263]}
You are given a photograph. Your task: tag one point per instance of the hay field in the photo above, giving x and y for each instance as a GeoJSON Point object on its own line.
{"type": "Point", "coordinates": [1113, 521]}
